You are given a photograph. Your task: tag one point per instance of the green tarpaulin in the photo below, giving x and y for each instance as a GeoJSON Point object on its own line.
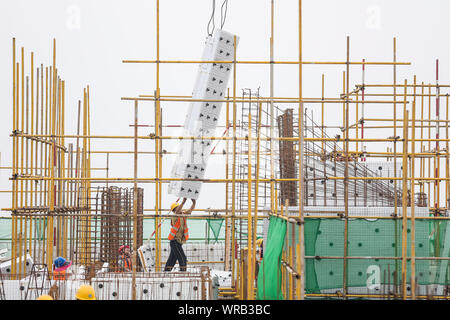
{"type": "Point", "coordinates": [269, 275]}
{"type": "Point", "coordinates": [215, 225]}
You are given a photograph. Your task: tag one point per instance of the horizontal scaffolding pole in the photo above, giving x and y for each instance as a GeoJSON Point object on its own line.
{"type": "Point", "coordinates": [387, 63]}
{"type": "Point", "coordinates": [281, 101]}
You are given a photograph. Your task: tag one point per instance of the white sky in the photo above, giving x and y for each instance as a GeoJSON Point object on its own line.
{"type": "Point", "coordinates": [93, 37]}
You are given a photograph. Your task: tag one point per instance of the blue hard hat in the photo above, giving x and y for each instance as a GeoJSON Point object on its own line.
{"type": "Point", "coordinates": [59, 262]}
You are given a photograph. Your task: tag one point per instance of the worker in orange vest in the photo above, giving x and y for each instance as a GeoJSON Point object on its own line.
{"type": "Point", "coordinates": [179, 234]}
{"type": "Point", "coordinates": [125, 258]}
{"type": "Point", "coordinates": [60, 266]}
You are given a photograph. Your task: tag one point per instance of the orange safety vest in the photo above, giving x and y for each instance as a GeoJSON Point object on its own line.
{"type": "Point", "coordinates": [59, 275]}
{"type": "Point", "coordinates": [126, 262]}
{"type": "Point", "coordinates": [176, 226]}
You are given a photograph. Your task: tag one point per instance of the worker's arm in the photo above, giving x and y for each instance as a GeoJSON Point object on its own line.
{"type": "Point", "coordinates": [191, 208]}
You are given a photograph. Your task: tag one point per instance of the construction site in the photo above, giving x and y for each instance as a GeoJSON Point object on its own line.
{"type": "Point", "coordinates": [340, 195]}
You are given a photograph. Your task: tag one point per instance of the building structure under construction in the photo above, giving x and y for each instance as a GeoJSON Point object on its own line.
{"type": "Point", "coordinates": [309, 210]}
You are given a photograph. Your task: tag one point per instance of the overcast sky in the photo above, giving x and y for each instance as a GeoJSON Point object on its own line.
{"type": "Point", "coordinates": [93, 37]}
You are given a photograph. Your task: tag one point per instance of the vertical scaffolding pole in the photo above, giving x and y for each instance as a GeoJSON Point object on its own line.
{"type": "Point", "coordinates": [272, 113]}
{"type": "Point", "coordinates": [429, 144]}
{"type": "Point", "coordinates": [228, 242]}
{"type": "Point", "coordinates": [258, 150]}
{"type": "Point", "coordinates": [14, 163]}
{"type": "Point", "coordinates": [413, 203]}
{"type": "Point", "coordinates": [51, 190]}
{"type": "Point", "coordinates": [422, 160]}
{"type": "Point", "coordinates": [395, 162]}
{"type": "Point", "coordinates": [447, 164]}
{"type": "Point", "coordinates": [437, 161]}
{"type": "Point", "coordinates": [234, 252]}
{"type": "Point", "coordinates": [135, 201]}
{"type": "Point", "coordinates": [301, 261]}
{"type": "Point", "coordinates": [22, 111]}
{"type": "Point", "coordinates": [157, 204]}
{"type": "Point", "coordinates": [324, 153]}
{"type": "Point", "coordinates": [250, 257]}
{"type": "Point", "coordinates": [31, 169]}
{"type": "Point", "coordinates": [346, 152]}
{"type": "Point", "coordinates": [405, 195]}
{"type": "Point", "coordinates": [362, 110]}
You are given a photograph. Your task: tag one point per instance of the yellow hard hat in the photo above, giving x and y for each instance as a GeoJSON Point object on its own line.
{"type": "Point", "coordinates": [45, 297]}
{"type": "Point", "coordinates": [259, 241]}
{"type": "Point", "coordinates": [174, 205]}
{"type": "Point", "coordinates": [85, 292]}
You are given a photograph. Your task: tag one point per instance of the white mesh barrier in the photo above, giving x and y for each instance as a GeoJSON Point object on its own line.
{"type": "Point", "coordinates": [360, 211]}
{"type": "Point", "coordinates": [195, 284]}
{"type": "Point", "coordinates": [211, 255]}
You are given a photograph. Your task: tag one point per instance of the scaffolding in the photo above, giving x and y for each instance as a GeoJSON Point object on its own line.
{"type": "Point", "coordinates": [281, 163]}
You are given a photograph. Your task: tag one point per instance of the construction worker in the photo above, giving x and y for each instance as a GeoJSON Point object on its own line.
{"type": "Point", "coordinates": [125, 263]}
{"type": "Point", "coordinates": [60, 266]}
{"type": "Point", "coordinates": [259, 255]}
{"type": "Point", "coordinates": [179, 234]}
{"type": "Point", "coordinates": [259, 247]}
{"type": "Point", "coordinates": [45, 297]}
{"type": "Point", "coordinates": [85, 292]}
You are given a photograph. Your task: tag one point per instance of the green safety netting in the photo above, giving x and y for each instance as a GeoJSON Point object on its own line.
{"type": "Point", "coordinates": [324, 242]}
{"type": "Point", "coordinates": [215, 225]}
{"type": "Point", "coordinates": [269, 275]}
{"type": "Point", "coordinates": [372, 238]}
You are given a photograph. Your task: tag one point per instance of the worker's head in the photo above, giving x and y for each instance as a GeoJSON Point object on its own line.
{"type": "Point", "coordinates": [174, 206]}
{"type": "Point", "coordinates": [259, 242]}
{"type": "Point", "coordinates": [124, 249]}
{"type": "Point", "coordinates": [60, 262]}
{"type": "Point", "coordinates": [45, 297]}
{"type": "Point", "coordinates": [85, 292]}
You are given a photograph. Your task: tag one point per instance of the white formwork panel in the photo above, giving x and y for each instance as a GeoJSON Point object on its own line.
{"type": "Point", "coordinates": [5, 267]}
{"type": "Point", "coordinates": [119, 288]}
{"type": "Point", "coordinates": [224, 277]}
{"type": "Point", "coordinates": [163, 288]}
{"type": "Point", "coordinates": [203, 117]}
{"type": "Point", "coordinates": [146, 257]}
